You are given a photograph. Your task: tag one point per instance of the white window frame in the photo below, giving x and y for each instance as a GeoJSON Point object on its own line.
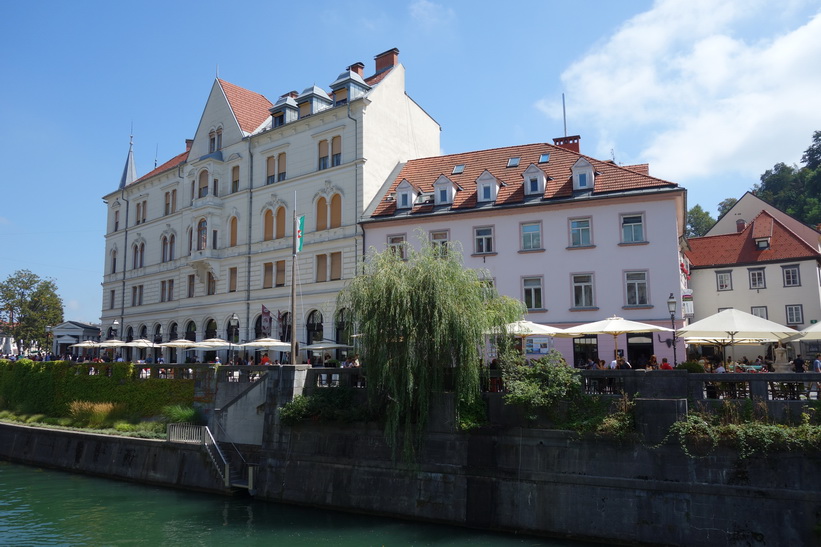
{"type": "Point", "coordinates": [795, 314]}
{"type": "Point", "coordinates": [525, 236]}
{"type": "Point", "coordinates": [579, 230]}
{"type": "Point", "coordinates": [578, 283]}
{"type": "Point", "coordinates": [398, 244]}
{"type": "Point", "coordinates": [483, 240]}
{"type": "Point", "coordinates": [791, 271]}
{"type": "Point", "coordinates": [631, 238]}
{"type": "Point", "coordinates": [728, 286]}
{"type": "Point", "coordinates": [532, 289]}
{"type": "Point", "coordinates": [759, 311]}
{"type": "Point", "coordinates": [636, 284]}
{"type": "Point", "coordinates": [440, 240]}
{"type": "Point", "coordinates": [757, 281]}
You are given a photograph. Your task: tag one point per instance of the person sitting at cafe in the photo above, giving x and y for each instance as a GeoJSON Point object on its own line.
{"type": "Point", "coordinates": [665, 365]}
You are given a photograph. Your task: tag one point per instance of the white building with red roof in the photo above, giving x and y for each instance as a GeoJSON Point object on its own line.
{"type": "Point", "coordinates": [762, 261]}
{"type": "Point", "coordinates": [575, 238]}
{"type": "Point", "coordinates": [207, 235]}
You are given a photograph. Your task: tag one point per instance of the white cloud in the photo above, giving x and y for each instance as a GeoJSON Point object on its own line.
{"type": "Point", "coordinates": [430, 14]}
{"type": "Point", "coordinates": [703, 87]}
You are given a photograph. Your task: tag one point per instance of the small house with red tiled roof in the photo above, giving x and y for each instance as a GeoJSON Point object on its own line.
{"type": "Point", "coordinates": [769, 265]}
{"type": "Point", "coordinates": [204, 239]}
{"type": "Point", "coordinates": [575, 238]}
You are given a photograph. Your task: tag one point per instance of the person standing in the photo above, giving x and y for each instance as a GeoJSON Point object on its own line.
{"type": "Point", "coordinates": [816, 368]}
{"type": "Point", "coordinates": [798, 364]}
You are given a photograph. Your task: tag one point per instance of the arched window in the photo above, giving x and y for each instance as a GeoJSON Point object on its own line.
{"type": "Point", "coordinates": [144, 333]}
{"type": "Point", "coordinates": [268, 225]}
{"type": "Point", "coordinates": [172, 332]}
{"type": "Point", "coordinates": [172, 241]}
{"type": "Point", "coordinates": [258, 328]}
{"type": "Point", "coordinates": [158, 334]}
{"type": "Point", "coordinates": [135, 259]}
{"type": "Point", "coordinates": [142, 254]}
{"type": "Point", "coordinates": [129, 334]}
{"type": "Point", "coordinates": [314, 327]}
{"type": "Point", "coordinates": [233, 231]}
{"type": "Point", "coordinates": [343, 326]}
{"type": "Point", "coordinates": [280, 222]}
{"type": "Point", "coordinates": [203, 185]}
{"type": "Point", "coordinates": [285, 327]}
{"type": "Point", "coordinates": [210, 329]}
{"type": "Point", "coordinates": [164, 249]}
{"type": "Point", "coordinates": [336, 211]}
{"type": "Point", "coordinates": [190, 241]}
{"type": "Point", "coordinates": [321, 214]}
{"type": "Point", "coordinates": [202, 235]}
{"type": "Point", "coordinates": [114, 261]}
{"type": "Point", "coordinates": [191, 331]}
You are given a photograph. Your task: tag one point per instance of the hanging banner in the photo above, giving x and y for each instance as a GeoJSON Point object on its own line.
{"type": "Point", "coordinates": [266, 322]}
{"type": "Point", "coordinates": [300, 229]}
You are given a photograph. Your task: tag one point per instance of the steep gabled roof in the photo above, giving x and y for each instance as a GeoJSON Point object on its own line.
{"type": "Point", "coordinates": [740, 247]}
{"type": "Point", "coordinates": [423, 173]}
{"type": "Point", "coordinates": [250, 108]}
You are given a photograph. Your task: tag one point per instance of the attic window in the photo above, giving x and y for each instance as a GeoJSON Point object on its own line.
{"type": "Point", "coordinates": [513, 162]}
{"type": "Point", "coordinates": [544, 158]}
{"type": "Point", "coordinates": [404, 200]}
{"type": "Point", "coordinates": [762, 244]}
{"type": "Point", "coordinates": [458, 170]}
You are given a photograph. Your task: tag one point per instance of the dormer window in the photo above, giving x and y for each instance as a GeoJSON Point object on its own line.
{"type": "Point", "coordinates": [444, 190]}
{"type": "Point", "coordinates": [582, 175]}
{"type": "Point", "coordinates": [534, 181]}
{"type": "Point", "coordinates": [405, 194]}
{"type": "Point", "coordinates": [404, 200]}
{"type": "Point", "coordinates": [513, 162]}
{"type": "Point", "coordinates": [458, 170]}
{"type": "Point", "coordinates": [279, 119]}
{"type": "Point", "coordinates": [487, 187]}
{"type": "Point", "coordinates": [762, 244]}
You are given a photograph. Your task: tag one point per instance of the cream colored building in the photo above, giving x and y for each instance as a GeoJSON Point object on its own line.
{"type": "Point", "coordinates": [209, 233]}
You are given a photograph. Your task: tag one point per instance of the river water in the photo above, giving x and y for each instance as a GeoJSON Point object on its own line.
{"type": "Point", "coordinates": [47, 507]}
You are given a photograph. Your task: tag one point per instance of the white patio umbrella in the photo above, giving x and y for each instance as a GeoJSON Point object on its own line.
{"type": "Point", "coordinates": [614, 326]}
{"type": "Point", "coordinates": [111, 344]}
{"type": "Point", "coordinates": [321, 346]}
{"type": "Point", "coordinates": [529, 328]}
{"type": "Point", "coordinates": [141, 343]}
{"type": "Point", "coordinates": [270, 343]}
{"type": "Point", "coordinates": [86, 344]}
{"type": "Point", "coordinates": [813, 332]}
{"type": "Point", "coordinates": [732, 325]}
{"type": "Point", "coordinates": [179, 343]}
{"type": "Point", "coordinates": [213, 343]}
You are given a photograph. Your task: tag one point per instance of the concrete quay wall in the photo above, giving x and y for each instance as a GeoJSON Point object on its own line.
{"type": "Point", "coordinates": [552, 483]}
{"type": "Point", "coordinates": [144, 461]}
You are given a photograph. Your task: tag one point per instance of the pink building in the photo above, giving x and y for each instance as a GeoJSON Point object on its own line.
{"type": "Point", "coordinates": [575, 238]}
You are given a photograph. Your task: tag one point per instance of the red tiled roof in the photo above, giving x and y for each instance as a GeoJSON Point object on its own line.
{"type": "Point", "coordinates": [170, 164]}
{"type": "Point", "coordinates": [740, 248]}
{"type": "Point", "coordinates": [422, 173]}
{"type": "Point", "coordinates": [251, 109]}
{"type": "Point", "coordinates": [378, 77]}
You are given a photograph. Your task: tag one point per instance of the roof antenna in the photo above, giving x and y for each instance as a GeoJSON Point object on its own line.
{"type": "Point", "coordinates": [613, 154]}
{"type": "Point", "coordinates": [564, 116]}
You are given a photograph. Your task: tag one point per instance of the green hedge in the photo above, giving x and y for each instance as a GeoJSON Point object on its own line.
{"type": "Point", "coordinates": [49, 387]}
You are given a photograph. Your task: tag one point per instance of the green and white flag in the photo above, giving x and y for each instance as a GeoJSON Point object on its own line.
{"type": "Point", "coordinates": [300, 230]}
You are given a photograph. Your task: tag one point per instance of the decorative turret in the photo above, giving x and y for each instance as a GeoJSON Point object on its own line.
{"type": "Point", "coordinates": [130, 172]}
{"type": "Point", "coordinates": [348, 86]}
{"type": "Point", "coordinates": [312, 101]}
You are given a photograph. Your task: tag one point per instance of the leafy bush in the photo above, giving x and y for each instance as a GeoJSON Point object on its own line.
{"type": "Point", "coordinates": [690, 366]}
{"type": "Point", "coordinates": [177, 414]}
{"type": "Point", "coordinates": [326, 405]}
{"type": "Point", "coordinates": [542, 384]}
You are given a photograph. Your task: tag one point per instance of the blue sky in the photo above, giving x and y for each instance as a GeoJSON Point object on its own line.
{"type": "Point", "coordinates": [711, 94]}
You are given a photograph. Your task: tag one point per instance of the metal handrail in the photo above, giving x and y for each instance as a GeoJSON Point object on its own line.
{"type": "Point", "coordinates": [215, 453]}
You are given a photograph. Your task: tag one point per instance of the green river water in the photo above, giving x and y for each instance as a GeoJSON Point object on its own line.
{"type": "Point", "coordinates": [47, 507]}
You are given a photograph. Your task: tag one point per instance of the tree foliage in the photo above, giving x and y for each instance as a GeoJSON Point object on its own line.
{"type": "Point", "coordinates": [796, 190]}
{"type": "Point", "coordinates": [420, 321]}
{"type": "Point", "coordinates": [699, 222]}
{"type": "Point", "coordinates": [726, 205]}
{"type": "Point", "coordinates": [28, 304]}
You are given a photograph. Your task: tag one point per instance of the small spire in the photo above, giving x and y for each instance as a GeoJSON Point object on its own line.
{"type": "Point", "coordinates": [130, 172]}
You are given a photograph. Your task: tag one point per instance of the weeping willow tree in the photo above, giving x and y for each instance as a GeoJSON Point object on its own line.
{"type": "Point", "coordinates": [421, 320]}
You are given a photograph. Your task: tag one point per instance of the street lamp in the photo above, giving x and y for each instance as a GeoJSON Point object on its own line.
{"type": "Point", "coordinates": [233, 327]}
{"type": "Point", "coordinates": [671, 307]}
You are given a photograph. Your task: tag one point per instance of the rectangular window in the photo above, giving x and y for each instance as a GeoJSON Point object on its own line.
{"type": "Point", "coordinates": [137, 295]}
{"type": "Point", "coordinates": [134, 296]}
{"type": "Point", "coordinates": [216, 188]}
{"type": "Point", "coordinates": [534, 186]}
{"type": "Point", "coordinates": [336, 266]}
{"type": "Point", "coordinates": [137, 216]}
{"type": "Point", "coordinates": [484, 239]}
{"type": "Point", "coordinates": [582, 180]}
{"type": "Point", "coordinates": [232, 280]}
{"type": "Point", "coordinates": [168, 203]}
{"type": "Point", "coordinates": [759, 311]}
{"type": "Point", "coordinates": [544, 158]}
{"type": "Point", "coordinates": [191, 285]}
{"type": "Point", "coordinates": [270, 170]}
{"type": "Point", "coordinates": [795, 314]}
{"type": "Point", "coordinates": [163, 291]}
{"type": "Point", "coordinates": [532, 289]}
{"type": "Point", "coordinates": [336, 151]}
{"type": "Point", "coordinates": [112, 299]}
{"type": "Point", "coordinates": [757, 280]}
{"type": "Point", "coordinates": [235, 179]}
{"type": "Point", "coordinates": [792, 277]}
{"type": "Point", "coordinates": [583, 291]}
{"type": "Point", "coordinates": [323, 155]}
{"type": "Point", "coordinates": [443, 195]}
{"type": "Point", "coordinates": [397, 246]}
{"type": "Point", "coordinates": [513, 162]}
{"type": "Point", "coordinates": [267, 275]}
{"type": "Point", "coordinates": [580, 232]}
{"type": "Point", "coordinates": [280, 280]}
{"type": "Point", "coordinates": [212, 284]}
{"type": "Point", "coordinates": [404, 200]}
{"type": "Point", "coordinates": [636, 288]}
{"type": "Point", "coordinates": [321, 268]}
{"type": "Point", "coordinates": [724, 280]}
{"type": "Point", "coordinates": [116, 220]}
{"type": "Point", "coordinates": [632, 229]}
{"type": "Point", "coordinates": [440, 241]}
{"type": "Point", "coordinates": [486, 192]}
{"type": "Point", "coordinates": [213, 239]}
{"type": "Point", "coordinates": [531, 236]}
{"type": "Point", "coordinates": [170, 287]}
{"type": "Point", "coordinates": [281, 167]}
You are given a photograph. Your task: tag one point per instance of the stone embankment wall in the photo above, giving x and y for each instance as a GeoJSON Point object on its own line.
{"type": "Point", "coordinates": [552, 483]}
{"type": "Point", "coordinates": [125, 458]}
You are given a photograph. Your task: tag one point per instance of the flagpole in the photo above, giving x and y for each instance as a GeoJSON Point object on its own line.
{"type": "Point", "coordinates": [293, 289]}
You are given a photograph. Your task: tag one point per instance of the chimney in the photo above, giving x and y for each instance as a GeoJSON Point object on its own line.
{"type": "Point", "coordinates": [740, 224]}
{"type": "Point", "coordinates": [386, 60]}
{"type": "Point", "coordinates": [293, 94]}
{"type": "Point", "coordinates": [357, 67]}
{"type": "Point", "coordinates": [188, 143]}
{"type": "Point", "coordinates": [568, 143]}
